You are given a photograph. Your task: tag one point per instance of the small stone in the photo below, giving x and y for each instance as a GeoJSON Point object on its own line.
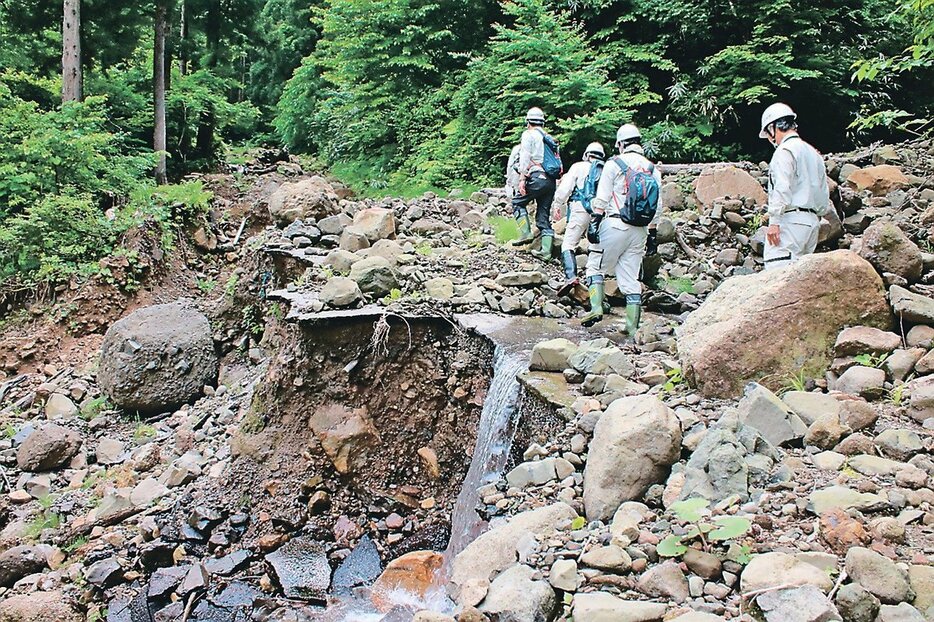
{"type": "Point", "coordinates": [878, 575]}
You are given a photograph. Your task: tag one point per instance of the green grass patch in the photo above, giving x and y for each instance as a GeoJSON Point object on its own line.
{"type": "Point", "coordinates": [505, 228]}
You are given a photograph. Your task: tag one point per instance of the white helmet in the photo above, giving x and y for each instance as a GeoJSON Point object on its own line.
{"type": "Point", "coordinates": [772, 114]}
{"type": "Point", "coordinates": [595, 150]}
{"type": "Point", "coordinates": [627, 132]}
{"type": "Point", "coordinates": [535, 115]}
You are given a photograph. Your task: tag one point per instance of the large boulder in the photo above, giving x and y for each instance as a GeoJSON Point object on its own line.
{"type": "Point", "coordinates": [157, 358]}
{"type": "Point", "coordinates": [47, 448]}
{"type": "Point", "coordinates": [374, 275]}
{"type": "Point", "coordinates": [729, 181]}
{"type": "Point", "coordinates": [413, 573]}
{"type": "Point", "coordinates": [497, 550]}
{"type": "Point", "coordinates": [19, 561]}
{"type": "Point", "coordinates": [764, 411]}
{"type": "Point", "coordinates": [775, 324]}
{"type": "Point", "coordinates": [771, 570]}
{"type": "Point", "coordinates": [634, 443]}
{"type": "Point", "coordinates": [340, 291]}
{"type": "Point", "coordinates": [376, 223]}
{"type": "Point", "coordinates": [887, 247]}
{"type": "Point", "coordinates": [879, 180]}
{"type": "Point", "coordinates": [878, 575]}
{"type": "Point", "coordinates": [312, 198]}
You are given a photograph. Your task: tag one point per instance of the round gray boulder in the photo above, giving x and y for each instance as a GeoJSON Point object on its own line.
{"type": "Point", "coordinates": [157, 358]}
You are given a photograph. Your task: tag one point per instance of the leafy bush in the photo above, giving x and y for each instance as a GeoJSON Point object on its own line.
{"type": "Point", "coordinates": [54, 238]}
{"type": "Point", "coordinates": [66, 150]}
{"type": "Point", "coordinates": [544, 60]}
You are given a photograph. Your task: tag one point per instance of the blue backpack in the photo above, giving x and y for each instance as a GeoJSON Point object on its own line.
{"type": "Point", "coordinates": [642, 194]}
{"type": "Point", "coordinates": [552, 159]}
{"type": "Point", "coordinates": [586, 194]}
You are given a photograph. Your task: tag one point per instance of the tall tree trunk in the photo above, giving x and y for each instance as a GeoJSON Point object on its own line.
{"type": "Point", "coordinates": [71, 51]}
{"type": "Point", "coordinates": [183, 39]}
{"type": "Point", "coordinates": [158, 88]}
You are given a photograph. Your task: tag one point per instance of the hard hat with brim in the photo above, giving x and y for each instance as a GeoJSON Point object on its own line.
{"type": "Point", "coordinates": [627, 132]}
{"type": "Point", "coordinates": [772, 114]}
{"type": "Point", "coordinates": [595, 149]}
{"type": "Point", "coordinates": [535, 114]}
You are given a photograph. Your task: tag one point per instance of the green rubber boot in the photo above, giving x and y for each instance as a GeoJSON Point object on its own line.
{"type": "Point", "coordinates": [545, 253]}
{"type": "Point", "coordinates": [596, 304]}
{"type": "Point", "coordinates": [525, 230]}
{"type": "Point", "coordinates": [633, 315]}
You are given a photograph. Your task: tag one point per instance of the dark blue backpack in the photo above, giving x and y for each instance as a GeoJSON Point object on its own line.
{"type": "Point", "coordinates": [552, 159]}
{"type": "Point", "coordinates": [642, 194]}
{"type": "Point", "coordinates": [586, 194]}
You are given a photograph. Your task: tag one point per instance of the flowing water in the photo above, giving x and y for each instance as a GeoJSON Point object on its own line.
{"type": "Point", "coordinates": [495, 434]}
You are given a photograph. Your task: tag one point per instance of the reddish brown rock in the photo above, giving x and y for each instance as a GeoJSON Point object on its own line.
{"type": "Point", "coordinates": [840, 531]}
{"type": "Point", "coordinates": [879, 180]}
{"type": "Point", "coordinates": [414, 573]}
{"type": "Point", "coordinates": [775, 324]}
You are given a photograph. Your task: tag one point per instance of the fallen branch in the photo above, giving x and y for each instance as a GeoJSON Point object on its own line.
{"type": "Point", "coordinates": [690, 252]}
{"type": "Point", "coordinates": [239, 231]}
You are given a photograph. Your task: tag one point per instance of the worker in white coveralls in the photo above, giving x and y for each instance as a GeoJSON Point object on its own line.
{"type": "Point", "coordinates": [626, 211]}
{"type": "Point", "coordinates": [539, 166]}
{"type": "Point", "coordinates": [798, 192]}
{"type": "Point", "coordinates": [573, 200]}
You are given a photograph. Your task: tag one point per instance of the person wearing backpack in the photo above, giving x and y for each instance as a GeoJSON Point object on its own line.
{"type": "Point", "coordinates": [576, 191]}
{"type": "Point", "coordinates": [798, 191]}
{"type": "Point", "coordinates": [626, 210]}
{"type": "Point", "coordinates": [539, 166]}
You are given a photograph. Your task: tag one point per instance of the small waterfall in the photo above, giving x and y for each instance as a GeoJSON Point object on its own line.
{"type": "Point", "coordinates": [495, 434]}
{"type": "Point", "coordinates": [496, 431]}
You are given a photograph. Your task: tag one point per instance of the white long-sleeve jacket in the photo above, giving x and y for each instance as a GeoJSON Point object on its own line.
{"type": "Point", "coordinates": [575, 178]}
{"type": "Point", "coordinates": [531, 152]}
{"type": "Point", "coordinates": [797, 178]}
{"type": "Point", "coordinates": [611, 191]}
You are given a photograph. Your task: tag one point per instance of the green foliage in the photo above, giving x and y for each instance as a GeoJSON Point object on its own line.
{"type": "Point", "coordinates": [795, 382]}
{"type": "Point", "coordinates": [206, 286]}
{"type": "Point", "coordinates": [143, 432]}
{"type": "Point", "coordinates": [675, 379]}
{"type": "Point", "coordinates": [394, 295]}
{"type": "Point", "coordinates": [678, 285]}
{"type": "Point", "coordinates": [913, 65]}
{"type": "Point", "coordinates": [696, 513]}
{"type": "Point", "coordinates": [424, 249]}
{"type": "Point", "coordinates": [896, 395]}
{"type": "Point", "coordinates": [93, 408]}
{"type": "Point", "coordinates": [541, 59]}
{"type": "Point", "coordinates": [578, 523]}
{"type": "Point", "coordinates": [69, 150]}
{"type": "Point", "coordinates": [871, 360]}
{"type": "Point", "coordinates": [55, 237]}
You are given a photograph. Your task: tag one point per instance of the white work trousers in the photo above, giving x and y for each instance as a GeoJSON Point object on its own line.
{"type": "Point", "coordinates": [799, 233]}
{"type": "Point", "coordinates": [622, 248]}
{"type": "Point", "coordinates": [577, 227]}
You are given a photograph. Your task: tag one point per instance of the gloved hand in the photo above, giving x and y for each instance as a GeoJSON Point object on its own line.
{"type": "Point", "coordinates": [651, 243]}
{"type": "Point", "coordinates": [522, 187]}
{"type": "Point", "coordinates": [593, 230]}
